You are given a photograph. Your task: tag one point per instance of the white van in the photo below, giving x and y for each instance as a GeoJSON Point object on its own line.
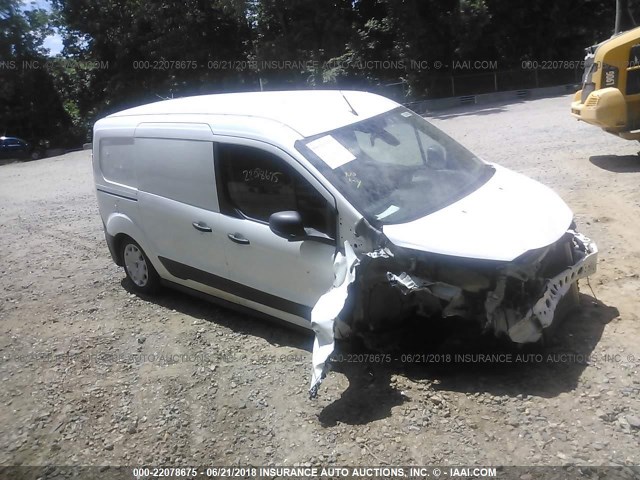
{"type": "Point", "coordinates": [249, 198]}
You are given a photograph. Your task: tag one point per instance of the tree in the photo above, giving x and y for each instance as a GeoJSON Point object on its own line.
{"type": "Point", "coordinates": [406, 40]}
{"type": "Point", "coordinates": [624, 17]}
{"type": "Point", "coordinates": [372, 44]}
{"type": "Point", "coordinates": [30, 105]}
{"type": "Point", "coordinates": [293, 40]}
{"type": "Point", "coordinates": [138, 52]}
{"type": "Point", "coordinates": [130, 52]}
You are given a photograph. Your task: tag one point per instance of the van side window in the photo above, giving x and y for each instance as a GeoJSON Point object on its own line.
{"type": "Point", "coordinates": [256, 184]}
{"type": "Point", "coordinates": [117, 160]}
{"type": "Point", "coordinates": [180, 170]}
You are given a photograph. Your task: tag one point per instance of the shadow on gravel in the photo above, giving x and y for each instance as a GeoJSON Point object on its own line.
{"type": "Point", "coordinates": [273, 331]}
{"type": "Point", "coordinates": [462, 359]}
{"type": "Point", "coordinates": [369, 397]}
{"type": "Point", "coordinates": [452, 356]}
{"type": "Point", "coordinates": [544, 370]}
{"type": "Point", "coordinates": [617, 163]}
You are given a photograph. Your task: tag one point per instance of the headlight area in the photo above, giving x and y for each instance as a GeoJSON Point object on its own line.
{"type": "Point", "coordinates": [570, 259]}
{"type": "Point", "coordinates": [378, 293]}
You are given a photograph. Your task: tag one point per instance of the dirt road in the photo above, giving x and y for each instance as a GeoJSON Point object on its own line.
{"type": "Point", "coordinates": [94, 375]}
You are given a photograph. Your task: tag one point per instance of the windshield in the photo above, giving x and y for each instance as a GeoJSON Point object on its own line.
{"type": "Point", "coordinates": [395, 167]}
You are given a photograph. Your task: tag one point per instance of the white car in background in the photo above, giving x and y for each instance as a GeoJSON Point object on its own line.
{"type": "Point", "coordinates": [278, 201]}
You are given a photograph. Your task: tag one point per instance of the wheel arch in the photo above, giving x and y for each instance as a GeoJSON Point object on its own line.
{"type": "Point", "coordinates": [120, 227]}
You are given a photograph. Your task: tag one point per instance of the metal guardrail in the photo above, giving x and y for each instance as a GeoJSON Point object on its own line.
{"type": "Point", "coordinates": [423, 106]}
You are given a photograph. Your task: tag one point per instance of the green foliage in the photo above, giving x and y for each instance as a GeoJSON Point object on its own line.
{"type": "Point", "coordinates": [154, 50]}
{"type": "Point", "coordinates": [30, 106]}
{"type": "Point", "coordinates": [128, 52]}
{"type": "Point", "coordinates": [22, 33]}
{"type": "Point", "coordinates": [306, 32]}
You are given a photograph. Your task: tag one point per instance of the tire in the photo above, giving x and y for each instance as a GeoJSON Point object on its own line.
{"type": "Point", "coordinates": [138, 268]}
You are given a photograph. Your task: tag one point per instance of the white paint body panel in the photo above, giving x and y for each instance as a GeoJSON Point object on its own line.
{"type": "Point", "coordinates": [504, 218]}
{"type": "Point", "coordinates": [306, 112]}
{"type": "Point", "coordinates": [296, 271]}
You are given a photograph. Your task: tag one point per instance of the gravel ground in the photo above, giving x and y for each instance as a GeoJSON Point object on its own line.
{"type": "Point", "coordinates": [95, 375]}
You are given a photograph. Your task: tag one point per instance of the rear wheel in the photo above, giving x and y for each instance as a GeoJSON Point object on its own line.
{"type": "Point", "coordinates": [138, 268]}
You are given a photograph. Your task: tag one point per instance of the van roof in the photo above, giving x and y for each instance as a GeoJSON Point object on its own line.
{"type": "Point", "coordinates": [309, 112]}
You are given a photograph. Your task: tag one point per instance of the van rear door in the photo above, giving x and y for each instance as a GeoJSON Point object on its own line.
{"type": "Point", "coordinates": [177, 199]}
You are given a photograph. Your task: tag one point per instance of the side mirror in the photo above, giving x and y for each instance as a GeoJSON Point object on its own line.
{"type": "Point", "coordinates": [287, 225]}
{"type": "Point", "coordinates": [436, 157]}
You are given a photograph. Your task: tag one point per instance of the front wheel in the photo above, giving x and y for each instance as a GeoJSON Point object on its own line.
{"type": "Point", "coordinates": [138, 268]}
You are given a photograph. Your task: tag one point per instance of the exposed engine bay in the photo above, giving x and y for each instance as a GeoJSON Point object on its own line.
{"type": "Point", "coordinates": [375, 292]}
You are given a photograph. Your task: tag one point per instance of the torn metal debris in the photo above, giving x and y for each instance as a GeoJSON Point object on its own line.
{"type": "Point", "coordinates": [375, 292]}
{"type": "Point", "coordinates": [326, 311]}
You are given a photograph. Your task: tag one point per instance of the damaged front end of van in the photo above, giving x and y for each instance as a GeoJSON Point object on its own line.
{"type": "Point", "coordinates": [377, 291]}
{"type": "Point", "coordinates": [438, 234]}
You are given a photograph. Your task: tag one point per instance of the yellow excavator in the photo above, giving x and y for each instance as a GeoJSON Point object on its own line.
{"type": "Point", "coordinates": [610, 94]}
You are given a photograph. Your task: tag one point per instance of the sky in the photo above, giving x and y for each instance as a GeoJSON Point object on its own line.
{"type": "Point", "coordinates": [53, 42]}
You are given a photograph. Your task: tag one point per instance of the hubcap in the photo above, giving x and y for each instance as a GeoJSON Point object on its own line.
{"type": "Point", "coordinates": [135, 265]}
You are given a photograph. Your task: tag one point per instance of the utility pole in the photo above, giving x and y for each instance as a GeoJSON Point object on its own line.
{"type": "Point", "coordinates": [624, 18]}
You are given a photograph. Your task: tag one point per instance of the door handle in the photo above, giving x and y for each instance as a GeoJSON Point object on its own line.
{"type": "Point", "coordinates": [238, 238]}
{"type": "Point", "coordinates": [202, 227]}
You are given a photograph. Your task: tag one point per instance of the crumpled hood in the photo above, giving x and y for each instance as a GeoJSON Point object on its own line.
{"type": "Point", "coordinates": [504, 218]}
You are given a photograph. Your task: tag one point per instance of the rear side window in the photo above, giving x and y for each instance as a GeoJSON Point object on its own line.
{"type": "Point", "coordinates": [180, 170]}
{"type": "Point", "coordinates": [117, 162]}
{"type": "Point", "coordinates": [255, 184]}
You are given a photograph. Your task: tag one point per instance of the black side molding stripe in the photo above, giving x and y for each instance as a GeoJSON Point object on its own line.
{"type": "Point", "coordinates": [232, 306]}
{"type": "Point", "coordinates": [185, 272]}
{"type": "Point", "coordinates": [117, 195]}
